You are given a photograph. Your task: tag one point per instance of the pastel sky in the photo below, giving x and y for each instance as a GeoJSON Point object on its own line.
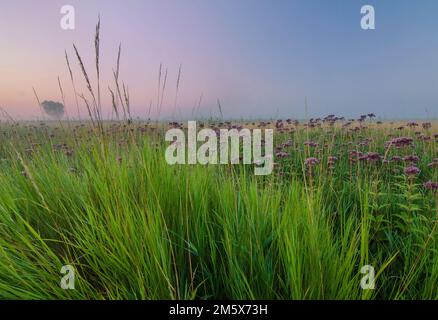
{"type": "Point", "coordinates": [261, 58]}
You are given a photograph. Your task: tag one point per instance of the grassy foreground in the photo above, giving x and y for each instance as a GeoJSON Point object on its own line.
{"type": "Point", "coordinates": [135, 227]}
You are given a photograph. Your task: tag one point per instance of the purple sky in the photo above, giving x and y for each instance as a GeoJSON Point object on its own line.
{"type": "Point", "coordinates": [260, 58]}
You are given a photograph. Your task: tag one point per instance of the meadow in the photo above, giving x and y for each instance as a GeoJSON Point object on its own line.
{"type": "Point", "coordinates": [343, 194]}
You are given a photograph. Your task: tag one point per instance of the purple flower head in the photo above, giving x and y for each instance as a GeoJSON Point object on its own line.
{"type": "Point", "coordinates": [412, 171]}
{"type": "Point", "coordinates": [426, 125]}
{"type": "Point", "coordinates": [399, 142]}
{"type": "Point", "coordinates": [411, 158]}
{"type": "Point", "coordinates": [287, 144]}
{"type": "Point", "coordinates": [331, 162]}
{"type": "Point", "coordinates": [429, 185]}
{"type": "Point", "coordinates": [355, 153]}
{"type": "Point", "coordinates": [175, 125]}
{"type": "Point", "coordinates": [373, 156]}
{"type": "Point", "coordinates": [311, 162]}
{"type": "Point", "coordinates": [332, 159]}
{"type": "Point", "coordinates": [279, 124]}
{"type": "Point", "coordinates": [310, 144]}
{"type": "Point", "coordinates": [282, 154]}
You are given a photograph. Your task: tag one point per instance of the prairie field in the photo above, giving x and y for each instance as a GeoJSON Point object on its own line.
{"type": "Point", "coordinates": [343, 195]}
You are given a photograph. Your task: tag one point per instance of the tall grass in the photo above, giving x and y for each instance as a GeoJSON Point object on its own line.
{"type": "Point", "coordinates": [136, 228]}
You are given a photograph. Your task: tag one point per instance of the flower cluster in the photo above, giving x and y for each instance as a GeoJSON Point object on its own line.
{"type": "Point", "coordinates": [310, 162]}
{"type": "Point", "coordinates": [429, 185]}
{"type": "Point", "coordinates": [331, 162]}
{"type": "Point", "coordinates": [412, 171]}
{"type": "Point", "coordinates": [400, 142]}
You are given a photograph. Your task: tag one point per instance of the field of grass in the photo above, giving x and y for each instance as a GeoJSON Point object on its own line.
{"type": "Point", "coordinates": [342, 195]}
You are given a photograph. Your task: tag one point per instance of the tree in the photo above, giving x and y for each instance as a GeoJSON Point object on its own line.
{"type": "Point", "coordinates": [53, 109]}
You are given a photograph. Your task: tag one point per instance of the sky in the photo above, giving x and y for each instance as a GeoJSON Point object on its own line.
{"type": "Point", "coordinates": [260, 58]}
